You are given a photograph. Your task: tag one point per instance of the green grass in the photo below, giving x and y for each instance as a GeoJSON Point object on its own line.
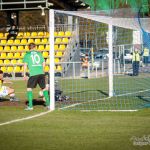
{"type": "Point", "coordinates": [75, 130]}
{"type": "Point", "coordinates": [69, 130]}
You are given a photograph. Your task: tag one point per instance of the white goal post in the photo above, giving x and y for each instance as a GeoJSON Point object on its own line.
{"type": "Point", "coordinates": [107, 83]}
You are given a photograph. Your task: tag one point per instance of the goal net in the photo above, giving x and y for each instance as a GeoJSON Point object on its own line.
{"type": "Point", "coordinates": [91, 61]}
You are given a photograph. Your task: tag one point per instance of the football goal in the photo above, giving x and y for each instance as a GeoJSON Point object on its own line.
{"type": "Point", "coordinates": [91, 61]}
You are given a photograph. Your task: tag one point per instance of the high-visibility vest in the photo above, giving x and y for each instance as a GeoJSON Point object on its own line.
{"type": "Point", "coordinates": [146, 52]}
{"type": "Point", "coordinates": [136, 56]}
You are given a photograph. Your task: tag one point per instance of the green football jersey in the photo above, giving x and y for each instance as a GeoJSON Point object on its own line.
{"type": "Point", "coordinates": [34, 62]}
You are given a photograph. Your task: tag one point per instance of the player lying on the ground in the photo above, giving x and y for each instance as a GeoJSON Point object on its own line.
{"type": "Point", "coordinates": [5, 90]}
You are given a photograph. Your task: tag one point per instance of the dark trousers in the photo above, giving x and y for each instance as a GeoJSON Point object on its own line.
{"type": "Point", "coordinates": [135, 66]}
{"type": "Point", "coordinates": [11, 35]}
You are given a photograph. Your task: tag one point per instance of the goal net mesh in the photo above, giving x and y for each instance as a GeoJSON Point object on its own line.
{"type": "Point", "coordinates": [86, 86]}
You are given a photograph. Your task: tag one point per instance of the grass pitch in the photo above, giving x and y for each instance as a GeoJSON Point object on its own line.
{"type": "Point", "coordinates": [69, 130]}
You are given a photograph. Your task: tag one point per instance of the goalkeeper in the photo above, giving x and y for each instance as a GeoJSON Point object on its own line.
{"type": "Point", "coordinates": [34, 61]}
{"type": "Point", "coordinates": [5, 90]}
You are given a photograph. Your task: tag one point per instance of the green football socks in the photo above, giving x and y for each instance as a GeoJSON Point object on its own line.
{"type": "Point", "coordinates": [46, 95]}
{"type": "Point", "coordinates": [30, 98]}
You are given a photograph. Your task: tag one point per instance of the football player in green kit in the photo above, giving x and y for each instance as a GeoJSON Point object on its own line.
{"type": "Point", "coordinates": [34, 61]}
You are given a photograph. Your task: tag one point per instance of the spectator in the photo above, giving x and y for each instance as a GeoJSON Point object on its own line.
{"type": "Point", "coordinates": [85, 65]}
{"type": "Point", "coordinates": [145, 56]}
{"type": "Point", "coordinates": [13, 31]}
{"type": "Point", "coordinates": [135, 62]}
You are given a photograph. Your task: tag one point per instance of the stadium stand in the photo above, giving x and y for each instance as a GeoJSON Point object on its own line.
{"type": "Point", "coordinates": [14, 50]}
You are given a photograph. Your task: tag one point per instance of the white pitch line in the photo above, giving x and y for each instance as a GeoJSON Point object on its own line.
{"type": "Point", "coordinates": [25, 118]}
{"type": "Point", "coordinates": [73, 105]}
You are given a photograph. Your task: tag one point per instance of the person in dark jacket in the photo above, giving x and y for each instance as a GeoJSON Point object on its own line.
{"type": "Point", "coordinates": [13, 31]}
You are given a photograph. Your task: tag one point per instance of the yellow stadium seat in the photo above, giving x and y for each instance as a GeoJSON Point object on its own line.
{"type": "Point", "coordinates": [26, 34]}
{"type": "Point", "coordinates": [57, 40]}
{"type": "Point", "coordinates": [46, 34]}
{"type": "Point", "coordinates": [55, 47]}
{"type": "Point", "coordinates": [20, 48]}
{"type": "Point", "coordinates": [45, 54]}
{"type": "Point", "coordinates": [59, 68]}
{"type": "Point", "coordinates": [30, 40]}
{"type": "Point", "coordinates": [19, 61]}
{"type": "Point", "coordinates": [41, 47]}
{"type": "Point", "coordinates": [17, 41]}
{"type": "Point", "coordinates": [13, 61]}
{"type": "Point", "coordinates": [3, 55]}
{"type": "Point", "coordinates": [10, 55]}
{"type": "Point", "coordinates": [1, 48]}
{"type": "Point", "coordinates": [13, 48]}
{"type": "Point", "coordinates": [1, 61]}
{"type": "Point", "coordinates": [24, 41]}
{"type": "Point", "coordinates": [59, 54]}
{"type": "Point", "coordinates": [61, 33]}
{"type": "Point", "coordinates": [40, 33]}
{"type": "Point", "coordinates": [44, 40]}
{"type": "Point", "coordinates": [17, 69]}
{"type": "Point", "coordinates": [47, 61]}
{"type": "Point", "coordinates": [46, 68]}
{"type": "Point", "coordinates": [10, 69]}
{"type": "Point", "coordinates": [37, 41]}
{"type": "Point", "coordinates": [26, 47]}
{"type": "Point", "coordinates": [62, 47]}
{"type": "Point", "coordinates": [47, 47]}
{"type": "Point", "coordinates": [55, 34]}
{"type": "Point", "coordinates": [33, 34]}
{"type": "Point", "coordinates": [7, 48]}
{"type": "Point", "coordinates": [1, 35]}
{"type": "Point", "coordinates": [4, 69]}
{"type": "Point", "coordinates": [20, 34]}
{"type": "Point", "coordinates": [6, 34]}
{"type": "Point", "coordinates": [22, 55]}
{"type": "Point", "coordinates": [65, 40]}
{"type": "Point", "coordinates": [56, 60]}
{"type": "Point", "coordinates": [6, 61]}
{"type": "Point", "coordinates": [3, 41]}
{"type": "Point", "coordinates": [17, 55]}
{"type": "Point", "coordinates": [68, 33]}
{"type": "Point", "coordinates": [10, 41]}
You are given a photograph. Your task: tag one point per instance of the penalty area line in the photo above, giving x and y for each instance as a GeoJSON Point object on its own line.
{"type": "Point", "coordinates": [25, 118]}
